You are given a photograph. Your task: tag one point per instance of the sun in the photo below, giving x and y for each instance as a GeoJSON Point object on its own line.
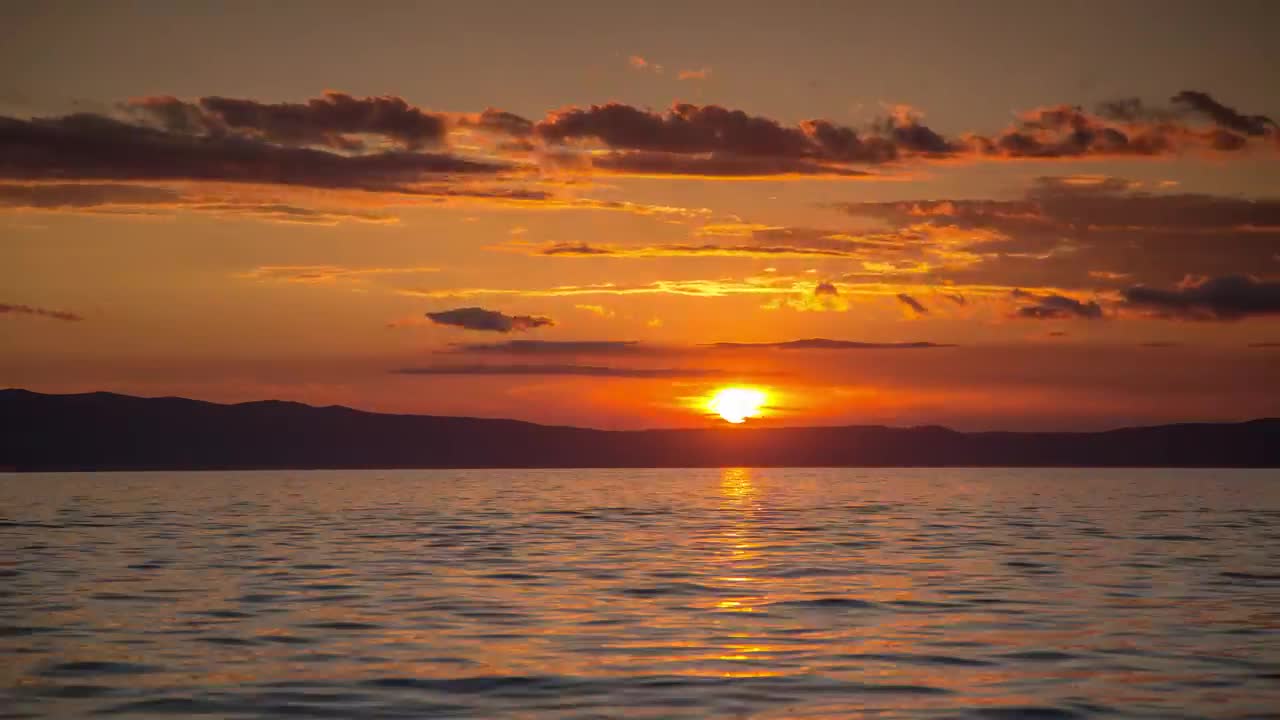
{"type": "Point", "coordinates": [736, 404]}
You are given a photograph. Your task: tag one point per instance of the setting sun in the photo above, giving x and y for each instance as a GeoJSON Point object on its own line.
{"type": "Point", "coordinates": [736, 404]}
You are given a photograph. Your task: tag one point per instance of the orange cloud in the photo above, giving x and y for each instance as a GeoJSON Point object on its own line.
{"type": "Point", "coordinates": [637, 62]}
{"type": "Point", "coordinates": [584, 250]}
{"type": "Point", "coordinates": [312, 274]}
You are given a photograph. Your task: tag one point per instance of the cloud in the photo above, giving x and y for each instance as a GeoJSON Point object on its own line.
{"type": "Point", "coordinates": [584, 250]}
{"type": "Point", "coordinates": [309, 274]}
{"type": "Point", "coordinates": [913, 304]}
{"type": "Point", "coordinates": [9, 309]}
{"type": "Point", "coordinates": [581, 370]}
{"type": "Point", "coordinates": [96, 147]}
{"type": "Point", "coordinates": [598, 310]}
{"type": "Point", "coordinates": [334, 120]}
{"type": "Point", "coordinates": [825, 344]}
{"type": "Point", "coordinates": [733, 228]}
{"type": "Point", "coordinates": [688, 129]}
{"type": "Point", "coordinates": [1229, 297]}
{"type": "Point", "coordinates": [557, 347]}
{"type": "Point", "coordinates": [1081, 232]}
{"type": "Point", "coordinates": [56, 196]}
{"type": "Point", "coordinates": [825, 297]}
{"type": "Point", "coordinates": [1224, 116]}
{"type": "Point", "coordinates": [1054, 307]}
{"type": "Point", "coordinates": [689, 288]}
{"type": "Point", "coordinates": [133, 199]}
{"type": "Point", "coordinates": [632, 348]}
{"type": "Point", "coordinates": [717, 166]}
{"type": "Point", "coordinates": [499, 122]}
{"type": "Point", "coordinates": [638, 62]}
{"type": "Point", "coordinates": [701, 73]}
{"type": "Point", "coordinates": [475, 318]}
{"type": "Point", "coordinates": [338, 140]}
{"type": "Point", "coordinates": [713, 141]}
{"type": "Point", "coordinates": [1125, 128]}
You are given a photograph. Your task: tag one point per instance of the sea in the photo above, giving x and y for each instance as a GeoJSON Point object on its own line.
{"type": "Point", "coordinates": [700, 593]}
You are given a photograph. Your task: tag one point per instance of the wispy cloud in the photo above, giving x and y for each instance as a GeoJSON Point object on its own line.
{"type": "Point", "coordinates": [701, 73]}
{"type": "Point", "coordinates": [130, 198]}
{"type": "Point", "coordinates": [30, 310]}
{"type": "Point", "coordinates": [825, 344]}
{"type": "Point", "coordinates": [639, 62]}
{"type": "Point", "coordinates": [557, 347]}
{"type": "Point", "coordinates": [1054, 307]}
{"type": "Point", "coordinates": [581, 370]}
{"type": "Point", "coordinates": [585, 250]}
{"type": "Point", "coordinates": [327, 273]}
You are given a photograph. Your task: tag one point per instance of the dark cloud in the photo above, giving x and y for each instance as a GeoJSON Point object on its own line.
{"type": "Point", "coordinates": [825, 288]}
{"type": "Point", "coordinates": [1160, 344]}
{"type": "Point", "coordinates": [556, 347]}
{"type": "Point", "coordinates": [335, 120]}
{"type": "Point", "coordinates": [1083, 202]}
{"type": "Point", "coordinates": [1229, 297]}
{"type": "Point", "coordinates": [1065, 131]}
{"type": "Point", "coordinates": [1224, 116]}
{"type": "Point", "coordinates": [1126, 127]}
{"type": "Point", "coordinates": [685, 128]}
{"type": "Point", "coordinates": [96, 147]}
{"type": "Point", "coordinates": [1132, 109]}
{"type": "Point", "coordinates": [8, 309]}
{"type": "Point", "coordinates": [583, 370]}
{"type": "Point", "coordinates": [731, 135]}
{"type": "Point", "coordinates": [825, 344]}
{"type": "Point", "coordinates": [1054, 307]}
{"type": "Point", "coordinates": [1265, 345]}
{"type": "Point", "coordinates": [500, 122]}
{"type": "Point", "coordinates": [173, 115]}
{"type": "Point", "coordinates": [475, 318]}
{"type": "Point", "coordinates": [710, 140]}
{"type": "Point", "coordinates": [339, 140]}
{"type": "Point", "coordinates": [913, 304]}
{"type": "Point", "coordinates": [1081, 232]}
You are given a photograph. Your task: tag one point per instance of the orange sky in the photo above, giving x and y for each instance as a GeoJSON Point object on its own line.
{"type": "Point", "coordinates": [557, 216]}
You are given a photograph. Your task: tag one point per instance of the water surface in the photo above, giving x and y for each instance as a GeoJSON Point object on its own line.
{"type": "Point", "coordinates": [774, 593]}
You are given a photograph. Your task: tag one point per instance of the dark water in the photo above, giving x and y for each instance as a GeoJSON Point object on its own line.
{"type": "Point", "coordinates": [664, 593]}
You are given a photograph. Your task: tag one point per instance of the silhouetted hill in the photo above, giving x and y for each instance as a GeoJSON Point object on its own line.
{"type": "Point", "coordinates": [104, 431]}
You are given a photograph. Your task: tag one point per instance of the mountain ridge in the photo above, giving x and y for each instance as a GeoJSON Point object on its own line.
{"type": "Point", "coordinates": [111, 431]}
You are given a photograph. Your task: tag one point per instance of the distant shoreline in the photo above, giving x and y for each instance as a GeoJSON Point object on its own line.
{"type": "Point", "coordinates": [109, 432]}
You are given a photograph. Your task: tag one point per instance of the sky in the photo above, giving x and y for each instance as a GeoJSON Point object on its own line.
{"type": "Point", "coordinates": [985, 215]}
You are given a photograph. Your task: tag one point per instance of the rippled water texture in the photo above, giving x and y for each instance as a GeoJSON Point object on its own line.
{"type": "Point", "coordinates": [664, 593]}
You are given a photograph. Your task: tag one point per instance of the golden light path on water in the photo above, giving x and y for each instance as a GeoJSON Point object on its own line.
{"type": "Point", "coordinates": [741, 557]}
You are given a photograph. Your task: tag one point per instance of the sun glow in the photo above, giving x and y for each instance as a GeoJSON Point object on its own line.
{"type": "Point", "coordinates": [736, 404]}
